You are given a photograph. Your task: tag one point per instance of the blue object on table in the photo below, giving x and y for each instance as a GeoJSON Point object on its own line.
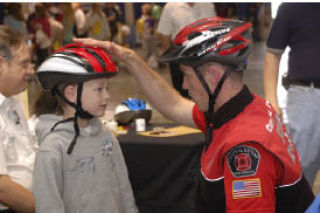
{"type": "Point", "coordinates": [315, 205]}
{"type": "Point", "coordinates": [135, 104]}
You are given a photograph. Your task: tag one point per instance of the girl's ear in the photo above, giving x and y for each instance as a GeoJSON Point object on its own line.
{"type": "Point", "coordinates": [70, 92]}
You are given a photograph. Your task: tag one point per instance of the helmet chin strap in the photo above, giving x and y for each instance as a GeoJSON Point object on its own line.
{"type": "Point", "coordinates": [79, 113]}
{"type": "Point", "coordinates": [212, 100]}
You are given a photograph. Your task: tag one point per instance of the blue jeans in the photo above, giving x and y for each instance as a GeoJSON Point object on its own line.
{"type": "Point", "coordinates": [303, 110]}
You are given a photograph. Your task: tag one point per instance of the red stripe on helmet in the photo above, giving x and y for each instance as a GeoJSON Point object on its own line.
{"type": "Point", "coordinates": [197, 26]}
{"type": "Point", "coordinates": [97, 68]}
{"type": "Point", "coordinates": [234, 34]}
{"type": "Point", "coordinates": [231, 50]}
{"type": "Point", "coordinates": [82, 51]}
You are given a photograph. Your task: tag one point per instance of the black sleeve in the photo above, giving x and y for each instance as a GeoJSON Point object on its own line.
{"type": "Point", "coordinates": [279, 33]}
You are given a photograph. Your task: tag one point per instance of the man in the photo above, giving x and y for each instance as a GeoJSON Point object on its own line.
{"type": "Point", "coordinates": [297, 26]}
{"type": "Point", "coordinates": [174, 17]}
{"type": "Point", "coordinates": [17, 150]}
{"type": "Point", "coordinates": [249, 163]}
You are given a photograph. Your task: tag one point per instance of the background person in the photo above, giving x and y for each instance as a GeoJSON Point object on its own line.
{"type": "Point", "coordinates": [17, 149]}
{"type": "Point", "coordinates": [174, 16]}
{"type": "Point", "coordinates": [97, 24]}
{"type": "Point", "coordinates": [303, 79]}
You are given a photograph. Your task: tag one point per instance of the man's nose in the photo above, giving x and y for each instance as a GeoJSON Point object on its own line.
{"type": "Point", "coordinates": [30, 69]}
{"type": "Point", "coordinates": [30, 72]}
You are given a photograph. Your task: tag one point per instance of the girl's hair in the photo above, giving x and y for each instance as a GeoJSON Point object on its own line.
{"type": "Point", "coordinates": [49, 103]}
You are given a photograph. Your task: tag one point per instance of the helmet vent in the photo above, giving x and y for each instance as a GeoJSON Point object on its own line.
{"type": "Point", "coordinates": [216, 28]}
{"type": "Point", "coordinates": [198, 23]}
{"type": "Point", "coordinates": [226, 46]}
{"type": "Point", "coordinates": [194, 35]}
{"type": "Point", "coordinates": [243, 51]}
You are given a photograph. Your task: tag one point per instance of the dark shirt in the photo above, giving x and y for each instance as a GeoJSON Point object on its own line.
{"type": "Point", "coordinates": [297, 25]}
{"type": "Point", "coordinates": [112, 12]}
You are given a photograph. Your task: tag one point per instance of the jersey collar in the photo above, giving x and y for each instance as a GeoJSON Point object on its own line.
{"type": "Point", "coordinates": [233, 107]}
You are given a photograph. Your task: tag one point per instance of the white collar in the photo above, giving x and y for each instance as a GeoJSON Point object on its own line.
{"type": "Point", "coordinates": [87, 130]}
{"type": "Point", "coordinates": [2, 99]}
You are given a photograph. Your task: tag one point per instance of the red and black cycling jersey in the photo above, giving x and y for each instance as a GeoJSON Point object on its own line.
{"type": "Point", "coordinates": [251, 164]}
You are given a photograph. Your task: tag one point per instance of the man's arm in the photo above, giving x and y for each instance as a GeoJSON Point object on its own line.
{"type": "Point", "coordinates": [15, 196]}
{"type": "Point", "coordinates": [262, 176]}
{"type": "Point", "coordinates": [47, 178]}
{"type": "Point", "coordinates": [270, 78]}
{"type": "Point", "coordinates": [158, 91]}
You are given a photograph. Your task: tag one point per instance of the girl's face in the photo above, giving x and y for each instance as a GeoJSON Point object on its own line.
{"type": "Point", "coordinates": [95, 96]}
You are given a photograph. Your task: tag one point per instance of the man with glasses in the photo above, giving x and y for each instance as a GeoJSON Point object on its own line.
{"type": "Point", "coordinates": [17, 150]}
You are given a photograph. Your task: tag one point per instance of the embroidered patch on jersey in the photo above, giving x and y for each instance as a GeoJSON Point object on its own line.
{"type": "Point", "coordinates": [248, 188]}
{"type": "Point", "coordinates": [243, 161]}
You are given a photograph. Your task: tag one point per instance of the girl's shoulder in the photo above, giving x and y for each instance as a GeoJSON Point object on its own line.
{"type": "Point", "coordinates": [55, 141]}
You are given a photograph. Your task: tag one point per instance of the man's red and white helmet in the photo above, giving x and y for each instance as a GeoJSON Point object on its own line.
{"type": "Point", "coordinates": [215, 39]}
{"type": "Point", "coordinates": [220, 40]}
{"type": "Point", "coordinates": [75, 63]}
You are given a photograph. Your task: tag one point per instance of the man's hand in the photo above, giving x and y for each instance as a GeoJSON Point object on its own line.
{"type": "Point", "coordinates": [158, 91]}
{"type": "Point", "coordinates": [119, 52]}
{"type": "Point", "coordinates": [15, 196]}
{"type": "Point", "coordinates": [270, 79]}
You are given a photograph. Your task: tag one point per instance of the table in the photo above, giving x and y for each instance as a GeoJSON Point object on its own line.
{"type": "Point", "coordinates": [163, 171]}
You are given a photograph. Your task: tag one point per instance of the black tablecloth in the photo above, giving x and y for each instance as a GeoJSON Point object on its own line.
{"type": "Point", "coordinates": [163, 171]}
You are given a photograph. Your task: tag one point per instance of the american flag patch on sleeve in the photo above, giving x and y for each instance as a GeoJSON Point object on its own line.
{"type": "Point", "coordinates": [248, 188]}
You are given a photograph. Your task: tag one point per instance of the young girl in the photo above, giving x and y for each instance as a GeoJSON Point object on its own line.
{"type": "Point", "coordinates": [79, 167]}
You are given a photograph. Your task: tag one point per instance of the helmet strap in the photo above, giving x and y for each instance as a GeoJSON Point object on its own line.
{"type": "Point", "coordinates": [209, 115]}
{"type": "Point", "coordinates": [79, 113]}
{"type": "Point", "coordinates": [78, 107]}
{"type": "Point", "coordinates": [55, 91]}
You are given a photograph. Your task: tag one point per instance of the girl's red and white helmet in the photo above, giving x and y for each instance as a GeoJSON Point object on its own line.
{"type": "Point", "coordinates": [75, 63]}
{"type": "Point", "coordinates": [215, 39]}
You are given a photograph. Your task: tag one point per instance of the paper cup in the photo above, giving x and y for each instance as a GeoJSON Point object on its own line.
{"type": "Point", "coordinates": [140, 124]}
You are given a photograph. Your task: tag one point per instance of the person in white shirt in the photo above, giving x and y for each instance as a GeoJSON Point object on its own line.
{"type": "Point", "coordinates": [17, 149]}
{"type": "Point", "coordinates": [176, 15]}
{"type": "Point", "coordinates": [97, 24]}
{"type": "Point", "coordinates": [80, 20]}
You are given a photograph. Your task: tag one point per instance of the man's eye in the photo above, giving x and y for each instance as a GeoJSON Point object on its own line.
{"type": "Point", "coordinates": [25, 63]}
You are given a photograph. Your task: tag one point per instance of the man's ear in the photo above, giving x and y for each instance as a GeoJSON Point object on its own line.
{"type": "Point", "coordinates": [214, 75]}
{"type": "Point", "coordinates": [70, 92]}
{"type": "Point", "coordinates": [2, 60]}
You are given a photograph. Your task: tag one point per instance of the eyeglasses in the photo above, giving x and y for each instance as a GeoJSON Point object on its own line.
{"type": "Point", "coordinates": [27, 64]}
